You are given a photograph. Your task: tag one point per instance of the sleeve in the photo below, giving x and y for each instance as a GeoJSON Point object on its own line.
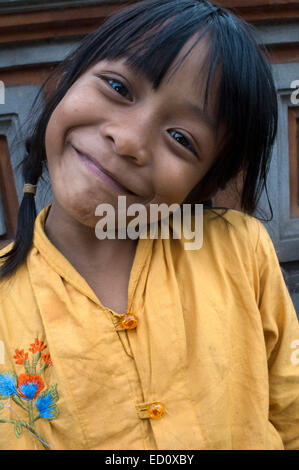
{"type": "Point", "coordinates": [281, 330]}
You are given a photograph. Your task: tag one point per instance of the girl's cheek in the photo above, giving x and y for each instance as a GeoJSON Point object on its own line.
{"type": "Point", "coordinates": [63, 118]}
{"type": "Point", "coordinates": [79, 104]}
{"type": "Point", "coordinates": [51, 134]}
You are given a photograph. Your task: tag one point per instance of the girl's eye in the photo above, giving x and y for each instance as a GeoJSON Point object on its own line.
{"type": "Point", "coordinates": [181, 139]}
{"type": "Point", "coordinates": [117, 86]}
{"type": "Point", "coordinates": [123, 91]}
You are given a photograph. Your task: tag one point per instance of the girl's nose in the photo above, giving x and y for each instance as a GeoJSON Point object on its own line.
{"type": "Point", "coordinates": [130, 144]}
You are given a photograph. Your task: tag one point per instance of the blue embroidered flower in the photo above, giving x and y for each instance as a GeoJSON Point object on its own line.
{"type": "Point", "coordinates": [45, 403]}
{"type": "Point", "coordinates": [29, 386]}
{"type": "Point", "coordinates": [8, 384]}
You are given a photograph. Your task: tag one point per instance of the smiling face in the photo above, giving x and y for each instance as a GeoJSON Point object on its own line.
{"type": "Point", "coordinates": [112, 134]}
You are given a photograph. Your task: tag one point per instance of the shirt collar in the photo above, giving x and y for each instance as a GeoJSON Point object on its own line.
{"type": "Point", "coordinates": [65, 269]}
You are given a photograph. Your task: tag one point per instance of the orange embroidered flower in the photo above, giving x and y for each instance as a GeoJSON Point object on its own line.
{"type": "Point", "coordinates": [20, 356]}
{"type": "Point", "coordinates": [47, 359]}
{"type": "Point", "coordinates": [37, 346]}
{"type": "Point", "coordinates": [29, 386]}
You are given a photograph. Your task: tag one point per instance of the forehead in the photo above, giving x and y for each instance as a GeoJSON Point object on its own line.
{"type": "Point", "coordinates": [193, 59]}
{"type": "Point", "coordinates": [190, 72]}
{"type": "Point", "coordinates": [187, 71]}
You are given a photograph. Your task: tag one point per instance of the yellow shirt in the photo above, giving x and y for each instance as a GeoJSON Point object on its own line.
{"type": "Point", "coordinates": [216, 345]}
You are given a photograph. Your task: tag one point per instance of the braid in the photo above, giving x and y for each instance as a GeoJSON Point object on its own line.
{"type": "Point", "coordinates": [32, 169]}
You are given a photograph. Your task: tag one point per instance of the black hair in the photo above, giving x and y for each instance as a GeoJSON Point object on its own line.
{"type": "Point", "coordinates": [149, 35]}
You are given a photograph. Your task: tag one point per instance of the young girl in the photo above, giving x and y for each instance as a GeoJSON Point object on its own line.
{"type": "Point", "coordinates": [142, 344]}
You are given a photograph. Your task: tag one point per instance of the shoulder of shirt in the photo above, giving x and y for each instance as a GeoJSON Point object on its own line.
{"type": "Point", "coordinates": [235, 224]}
{"type": "Point", "coordinates": [4, 250]}
{"type": "Point", "coordinates": [6, 247]}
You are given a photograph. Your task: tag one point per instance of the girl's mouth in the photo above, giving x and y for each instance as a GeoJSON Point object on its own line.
{"type": "Point", "coordinates": [103, 174]}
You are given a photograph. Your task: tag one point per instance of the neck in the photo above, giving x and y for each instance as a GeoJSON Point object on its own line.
{"type": "Point", "coordinates": [79, 244]}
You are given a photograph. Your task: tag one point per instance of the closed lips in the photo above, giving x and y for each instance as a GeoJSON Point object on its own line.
{"type": "Point", "coordinates": [111, 178]}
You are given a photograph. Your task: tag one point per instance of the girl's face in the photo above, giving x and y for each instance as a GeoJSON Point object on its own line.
{"type": "Point", "coordinates": [155, 145]}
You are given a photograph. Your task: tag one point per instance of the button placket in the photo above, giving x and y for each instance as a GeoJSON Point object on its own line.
{"type": "Point", "coordinates": [129, 321]}
{"type": "Point", "coordinates": [125, 321]}
{"type": "Point", "coordinates": [152, 410]}
{"type": "Point", "coordinates": [122, 324]}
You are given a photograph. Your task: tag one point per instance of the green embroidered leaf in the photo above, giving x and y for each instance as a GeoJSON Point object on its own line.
{"type": "Point", "coordinates": [54, 414]}
{"type": "Point", "coordinates": [36, 356]}
{"type": "Point", "coordinates": [50, 391]}
{"type": "Point", "coordinates": [18, 430]}
{"type": "Point", "coordinates": [27, 366]}
{"type": "Point", "coordinates": [54, 393]}
{"type": "Point", "coordinates": [42, 368]}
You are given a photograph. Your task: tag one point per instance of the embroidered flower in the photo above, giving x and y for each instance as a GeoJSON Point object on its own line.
{"type": "Point", "coordinates": [8, 384]}
{"type": "Point", "coordinates": [29, 386]}
{"type": "Point", "coordinates": [47, 359]}
{"type": "Point", "coordinates": [46, 403]}
{"type": "Point", "coordinates": [37, 346]}
{"type": "Point", "coordinates": [20, 356]}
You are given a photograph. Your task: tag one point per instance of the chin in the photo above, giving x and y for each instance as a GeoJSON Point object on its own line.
{"type": "Point", "coordinates": [83, 213]}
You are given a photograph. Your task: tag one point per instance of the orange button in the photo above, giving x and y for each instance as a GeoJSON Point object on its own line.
{"type": "Point", "coordinates": [129, 321]}
{"type": "Point", "coordinates": [156, 410]}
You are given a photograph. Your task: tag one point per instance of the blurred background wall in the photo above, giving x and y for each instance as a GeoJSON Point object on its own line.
{"type": "Point", "coordinates": [35, 35]}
